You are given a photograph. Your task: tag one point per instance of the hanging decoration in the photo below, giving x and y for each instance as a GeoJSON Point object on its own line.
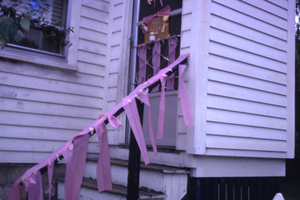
{"type": "Point", "coordinates": [157, 24]}
{"type": "Point", "coordinates": [156, 60]}
{"type": "Point", "coordinates": [150, 2]}
{"type": "Point", "coordinates": [142, 55]}
{"type": "Point", "coordinates": [75, 150]}
{"type": "Point", "coordinates": [172, 42]}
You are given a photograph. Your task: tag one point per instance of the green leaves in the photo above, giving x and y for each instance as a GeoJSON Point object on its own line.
{"type": "Point", "coordinates": [25, 24]}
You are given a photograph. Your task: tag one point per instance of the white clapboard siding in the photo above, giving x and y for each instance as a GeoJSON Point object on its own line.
{"type": "Point", "coordinates": [248, 90]}
{"type": "Point", "coordinates": [42, 107]}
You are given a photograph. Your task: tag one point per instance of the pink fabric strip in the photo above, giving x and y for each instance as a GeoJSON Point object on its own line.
{"type": "Point", "coordinates": [103, 167]}
{"type": "Point", "coordinates": [15, 193]}
{"type": "Point", "coordinates": [156, 60]}
{"type": "Point", "coordinates": [172, 42]}
{"type": "Point", "coordinates": [135, 123]}
{"type": "Point", "coordinates": [34, 185]}
{"type": "Point", "coordinates": [75, 159]}
{"type": "Point", "coordinates": [161, 3]}
{"type": "Point", "coordinates": [165, 11]}
{"type": "Point", "coordinates": [142, 54]}
{"type": "Point", "coordinates": [144, 97]}
{"type": "Point", "coordinates": [50, 175]}
{"type": "Point", "coordinates": [185, 105]}
{"type": "Point", "coordinates": [161, 117]}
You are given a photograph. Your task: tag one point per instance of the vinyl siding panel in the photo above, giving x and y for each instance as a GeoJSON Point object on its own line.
{"type": "Point", "coordinates": [42, 107]}
{"type": "Point", "coordinates": [247, 88]}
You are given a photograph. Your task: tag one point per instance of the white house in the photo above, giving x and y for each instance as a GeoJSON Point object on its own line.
{"type": "Point", "coordinates": [240, 80]}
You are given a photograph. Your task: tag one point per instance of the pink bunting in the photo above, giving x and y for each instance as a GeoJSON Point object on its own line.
{"type": "Point", "coordinates": [185, 105]}
{"type": "Point", "coordinates": [142, 55]}
{"type": "Point", "coordinates": [161, 116]}
{"type": "Point", "coordinates": [135, 123]}
{"type": "Point", "coordinates": [75, 158]}
{"type": "Point", "coordinates": [144, 97]}
{"type": "Point", "coordinates": [156, 60]}
{"type": "Point", "coordinates": [34, 185]}
{"type": "Point", "coordinates": [50, 175]}
{"type": "Point", "coordinates": [172, 42]}
{"type": "Point", "coordinates": [103, 167]}
{"type": "Point", "coordinates": [75, 149]}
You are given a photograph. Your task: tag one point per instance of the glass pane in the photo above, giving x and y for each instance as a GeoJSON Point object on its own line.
{"type": "Point", "coordinates": [46, 34]}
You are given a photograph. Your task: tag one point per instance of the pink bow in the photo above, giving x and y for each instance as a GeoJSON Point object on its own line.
{"type": "Point", "coordinates": [163, 12]}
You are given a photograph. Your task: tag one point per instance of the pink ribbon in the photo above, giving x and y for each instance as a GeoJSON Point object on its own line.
{"type": "Point", "coordinates": [142, 54]}
{"type": "Point", "coordinates": [135, 123]}
{"type": "Point", "coordinates": [156, 60]}
{"type": "Point", "coordinates": [185, 105]}
{"type": "Point", "coordinates": [103, 167]}
{"type": "Point", "coordinates": [50, 175]}
{"type": "Point", "coordinates": [163, 12]}
{"type": "Point", "coordinates": [161, 117]}
{"type": "Point", "coordinates": [75, 159]}
{"type": "Point", "coordinates": [172, 42]}
{"type": "Point", "coordinates": [144, 97]}
{"type": "Point", "coordinates": [34, 186]}
{"type": "Point", "coordinates": [75, 149]}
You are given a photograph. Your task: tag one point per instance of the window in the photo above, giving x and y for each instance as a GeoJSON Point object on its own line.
{"type": "Point", "coordinates": [143, 10]}
{"type": "Point", "coordinates": [48, 19]}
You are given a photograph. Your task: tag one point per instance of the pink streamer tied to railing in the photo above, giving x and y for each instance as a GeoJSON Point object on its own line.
{"type": "Point", "coordinates": [74, 150]}
{"type": "Point", "coordinates": [142, 55]}
{"type": "Point", "coordinates": [156, 60]}
{"type": "Point", "coordinates": [144, 97]}
{"type": "Point", "coordinates": [172, 43]}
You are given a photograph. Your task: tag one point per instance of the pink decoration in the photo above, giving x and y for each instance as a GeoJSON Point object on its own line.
{"type": "Point", "coordinates": [172, 42]}
{"type": "Point", "coordinates": [185, 105]}
{"type": "Point", "coordinates": [130, 108]}
{"type": "Point", "coordinates": [144, 97]}
{"type": "Point", "coordinates": [75, 158]}
{"type": "Point", "coordinates": [142, 54]}
{"type": "Point", "coordinates": [163, 12]}
{"type": "Point", "coordinates": [156, 60]}
{"type": "Point", "coordinates": [50, 175]}
{"type": "Point", "coordinates": [34, 186]}
{"type": "Point", "coordinates": [75, 149]}
{"type": "Point", "coordinates": [103, 167]}
{"type": "Point", "coordinates": [161, 116]}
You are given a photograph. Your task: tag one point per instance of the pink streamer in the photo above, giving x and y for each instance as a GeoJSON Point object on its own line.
{"type": "Point", "coordinates": [75, 159]}
{"type": "Point", "coordinates": [142, 54]}
{"type": "Point", "coordinates": [161, 3]}
{"type": "Point", "coordinates": [34, 186]}
{"type": "Point", "coordinates": [156, 60]}
{"type": "Point", "coordinates": [103, 167]}
{"type": "Point", "coordinates": [50, 175]}
{"type": "Point", "coordinates": [163, 12]}
{"type": "Point", "coordinates": [172, 42]}
{"type": "Point", "coordinates": [185, 105]}
{"type": "Point", "coordinates": [144, 97]}
{"type": "Point", "coordinates": [135, 123]}
{"type": "Point", "coordinates": [161, 117]}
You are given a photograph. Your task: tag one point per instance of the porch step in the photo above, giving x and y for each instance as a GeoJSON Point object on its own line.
{"type": "Point", "coordinates": [89, 191]}
{"type": "Point", "coordinates": [171, 181]}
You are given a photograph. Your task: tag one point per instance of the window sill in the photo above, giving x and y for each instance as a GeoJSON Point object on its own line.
{"type": "Point", "coordinates": [36, 60]}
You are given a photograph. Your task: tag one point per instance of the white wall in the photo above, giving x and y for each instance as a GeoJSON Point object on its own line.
{"type": "Point", "coordinates": [243, 77]}
{"type": "Point", "coordinates": [42, 107]}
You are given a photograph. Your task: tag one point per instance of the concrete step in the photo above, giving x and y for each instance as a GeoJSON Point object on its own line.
{"type": "Point", "coordinates": [89, 191]}
{"type": "Point", "coordinates": [171, 181]}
